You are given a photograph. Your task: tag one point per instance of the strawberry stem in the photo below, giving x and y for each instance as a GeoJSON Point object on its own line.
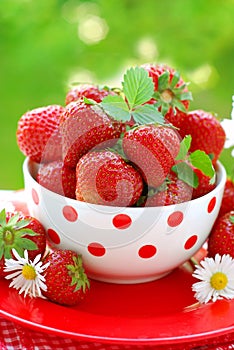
{"type": "Point", "coordinates": [8, 237]}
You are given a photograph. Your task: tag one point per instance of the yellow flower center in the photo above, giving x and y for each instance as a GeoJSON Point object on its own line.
{"type": "Point", "coordinates": [219, 280]}
{"type": "Point", "coordinates": [29, 272]}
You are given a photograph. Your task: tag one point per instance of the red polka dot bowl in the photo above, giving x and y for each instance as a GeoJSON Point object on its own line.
{"type": "Point", "coordinates": [123, 244]}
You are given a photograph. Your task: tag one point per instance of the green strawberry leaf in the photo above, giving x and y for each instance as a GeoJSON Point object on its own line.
{"type": "Point", "coordinates": [163, 81]}
{"type": "Point", "coordinates": [184, 147]}
{"type": "Point", "coordinates": [179, 105]}
{"type": "Point", "coordinates": [27, 231]}
{"type": "Point", "coordinates": [231, 219]}
{"type": "Point", "coordinates": [138, 87]}
{"type": "Point", "coordinates": [20, 251]}
{"type": "Point", "coordinates": [25, 243]}
{"type": "Point", "coordinates": [148, 114]}
{"type": "Point", "coordinates": [186, 174]}
{"type": "Point", "coordinates": [3, 217]}
{"type": "Point", "coordinates": [200, 160]}
{"type": "Point", "coordinates": [89, 101]}
{"type": "Point", "coordinates": [164, 106]}
{"type": "Point", "coordinates": [77, 274]}
{"type": "Point", "coordinates": [13, 220]}
{"type": "Point", "coordinates": [186, 96]}
{"type": "Point", "coordinates": [175, 79]}
{"type": "Point", "coordinates": [22, 223]}
{"type": "Point", "coordinates": [116, 107]}
{"type": "Point", "coordinates": [7, 252]}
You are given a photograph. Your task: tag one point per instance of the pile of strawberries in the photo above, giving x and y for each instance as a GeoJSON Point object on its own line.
{"type": "Point", "coordinates": [140, 145]}
{"type": "Point", "coordinates": [135, 146]}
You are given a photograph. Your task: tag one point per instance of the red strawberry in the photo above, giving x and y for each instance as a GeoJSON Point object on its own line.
{"type": "Point", "coordinates": [87, 90]}
{"type": "Point", "coordinates": [173, 191]}
{"type": "Point", "coordinates": [153, 150]}
{"type": "Point", "coordinates": [38, 134]}
{"type": "Point", "coordinates": [228, 198]}
{"type": "Point", "coordinates": [204, 184]}
{"type": "Point", "coordinates": [171, 93]}
{"type": "Point", "coordinates": [103, 177]}
{"type": "Point", "coordinates": [207, 133]}
{"type": "Point", "coordinates": [65, 278]}
{"type": "Point", "coordinates": [221, 238]}
{"type": "Point", "coordinates": [20, 232]}
{"type": "Point", "coordinates": [176, 118]}
{"type": "Point", "coordinates": [85, 127]}
{"type": "Point", "coordinates": [56, 177]}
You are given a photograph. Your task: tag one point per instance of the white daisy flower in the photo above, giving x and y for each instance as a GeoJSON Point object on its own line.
{"type": "Point", "coordinates": [217, 279]}
{"type": "Point", "coordinates": [26, 274]}
{"type": "Point", "coordinates": [228, 126]}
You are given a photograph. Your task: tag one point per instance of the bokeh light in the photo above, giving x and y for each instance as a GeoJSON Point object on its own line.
{"type": "Point", "coordinates": [48, 45]}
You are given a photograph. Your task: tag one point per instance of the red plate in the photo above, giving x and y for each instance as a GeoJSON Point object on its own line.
{"type": "Point", "coordinates": [160, 312]}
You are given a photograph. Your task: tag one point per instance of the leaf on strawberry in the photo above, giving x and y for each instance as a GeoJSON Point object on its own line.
{"type": "Point", "coordinates": [12, 235]}
{"type": "Point", "coordinates": [26, 243]}
{"type": "Point", "coordinates": [163, 80]}
{"type": "Point", "coordinates": [179, 105]}
{"type": "Point", "coordinates": [78, 275]}
{"type": "Point", "coordinates": [200, 160]}
{"type": "Point", "coordinates": [116, 107]}
{"type": "Point", "coordinates": [184, 147]}
{"type": "Point", "coordinates": [186, 174]}
{"type": "Point", "coordinates": [89, 101]}
{"type": "Point", "coordinates": [27, 231]}
{"type": "Point", "coordinates": [169, 95]}
{"type": "Point", "coordinates": [147, 114]}
{"type": "Point", "coordinates": [138, 89]}
{"type": "Point", "coordinates": [3, 217]}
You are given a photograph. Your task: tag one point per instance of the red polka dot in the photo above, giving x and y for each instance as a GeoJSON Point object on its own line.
{"type": "Point", "coordinates": [35, 196]}
{"type": "Point", "coordinates": [211, 205]}
{"type": "Point", "coordinates": [122, 221]}
{"type": "Point", "coordinates": [147, 251]}
{"type": "Point", "coordinates": [54, 237]}
{"type": "Point", "coordinates": [96, 249]}
{"type": "Point", "coordinates": [175, 218]}
{"type": "Point", "coordinates": [190, 242]}
{"type": "Point", "coordinates": [70, 213]}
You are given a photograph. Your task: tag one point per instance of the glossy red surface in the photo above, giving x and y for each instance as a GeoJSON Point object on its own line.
{"type": "Point", "coordinates": [158, 312]}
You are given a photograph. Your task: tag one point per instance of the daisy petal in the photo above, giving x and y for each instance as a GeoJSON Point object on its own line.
{"type": "Point", "coordinates": [216, 279]}
{"type": "Point", "coordinates": [23, 282]}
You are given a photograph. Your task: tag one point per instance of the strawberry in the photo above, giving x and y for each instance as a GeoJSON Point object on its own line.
{"type": "Point", "coordinates": [173, 191]}
{"type": "Point", "coordinates": [65, 277]}
{"type": "Point", "coordinates": [87, 90]}
{"type": "Point", "coordinates": [171, 92]}
{"type": "Point", "coordinates": [20, 232]}
{"type": "Point", "coordinates": [84, 127]}
{"type": "Point", "coordinates": [153, 150]}
{"type": "Point", "coordinates": [207, 132]}
{"type": "Point", "coordinates": [227, 203]}
{"type": "Point", "coordinates": [103, 177]}
{"type": "Point", "coordinates": [221, 238]}
{"type": "Point", "coordinates": [56, 177]}
{"type": "Point", "coordinates": [204, 184]}
{"type": "Point", "coordinates": [38, 134]}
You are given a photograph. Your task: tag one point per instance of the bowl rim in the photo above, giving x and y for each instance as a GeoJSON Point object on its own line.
{"type": "Point", "coordinates": [221, 177]}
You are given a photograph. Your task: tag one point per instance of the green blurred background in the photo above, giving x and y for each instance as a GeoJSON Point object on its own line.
{"type": "Point", "coordinates": [48, 44]}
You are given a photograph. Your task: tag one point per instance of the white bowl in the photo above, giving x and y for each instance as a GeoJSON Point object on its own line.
{"type": "Point", "coordinates": [124, 244]}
